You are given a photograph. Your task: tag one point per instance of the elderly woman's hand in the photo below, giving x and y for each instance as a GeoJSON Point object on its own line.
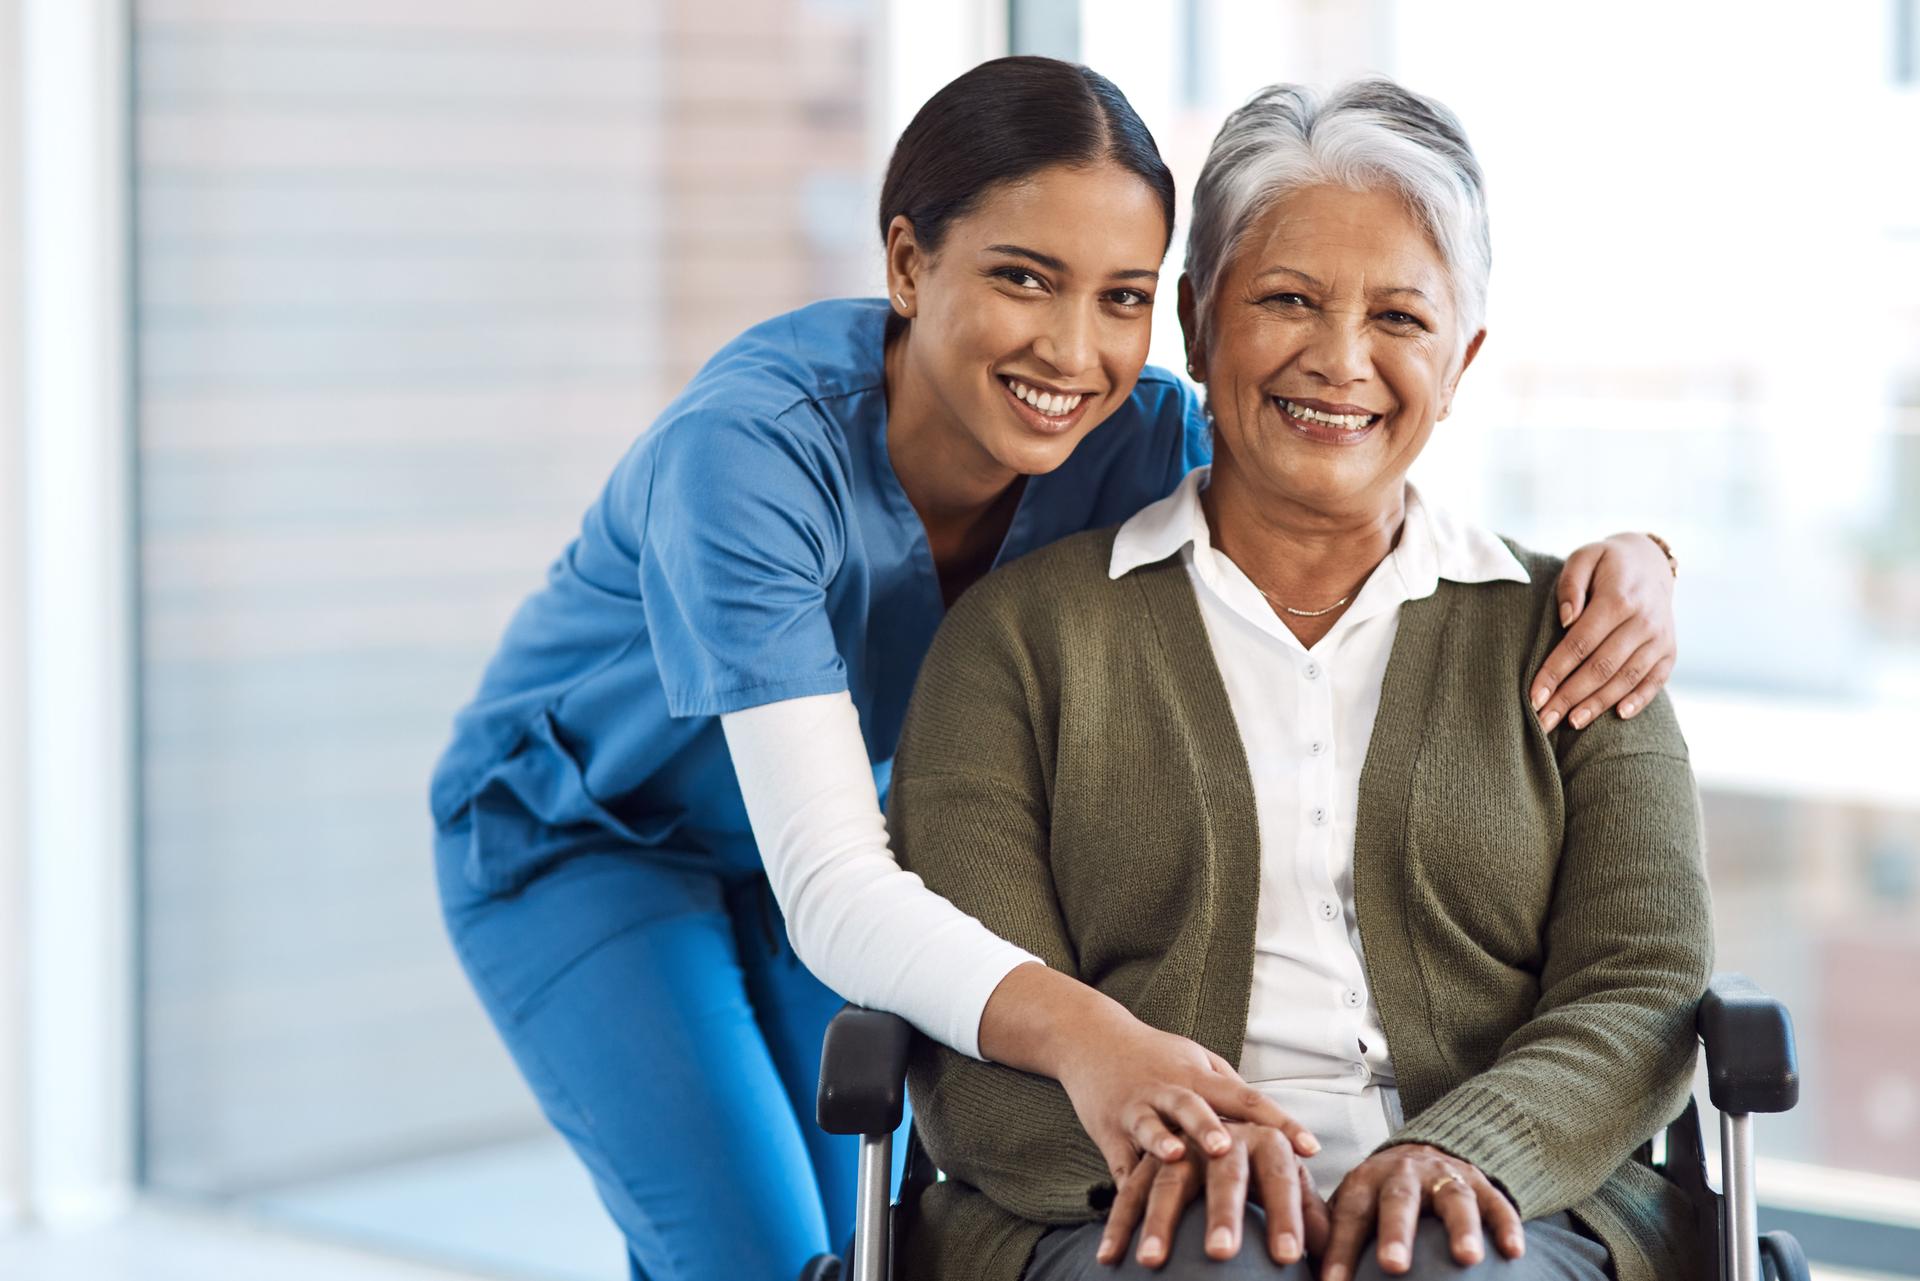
{"type": "Point", "coordinates": [1387, 1192]}
{"type": "Point", "coordinates": [1259, 1161]}
{"type": "Point", "coordinates": [1616, 599]}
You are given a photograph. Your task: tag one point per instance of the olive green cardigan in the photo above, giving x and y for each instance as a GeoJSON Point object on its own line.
{"type": "Point", "coordinates": [1532, 906]}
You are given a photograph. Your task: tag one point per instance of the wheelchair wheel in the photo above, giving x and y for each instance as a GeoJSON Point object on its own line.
{"type": "Point", "coordinates": [821, 1267]}
{"type": "Point", "coordinates": [1782, 1258]}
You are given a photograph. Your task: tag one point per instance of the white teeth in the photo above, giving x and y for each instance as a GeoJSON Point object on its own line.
{"type": "Point", "coordinates": [1345, 422]}
{"type": "Point", "coordinates": [1048, 403]}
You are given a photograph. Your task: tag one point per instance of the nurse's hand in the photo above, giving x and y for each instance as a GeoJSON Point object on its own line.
{"type": "Point", "coordinates": [1258, 1162]}
{"type": "Point", "coordinates": [1135, 1088]}
{"type": "Point", "coordinates": [1139, 1090]}
{"type": "Point", "coordinates": [1616, 601]}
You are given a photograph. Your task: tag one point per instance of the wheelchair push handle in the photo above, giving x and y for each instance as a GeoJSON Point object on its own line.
{"type": "Point", "coordinates": [1748, 1036]}
{"type": "Point", "coordinates": [863, 1072]}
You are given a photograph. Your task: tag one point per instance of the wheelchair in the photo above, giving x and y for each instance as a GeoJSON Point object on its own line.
{"type": "Point", "coordinates": [1751, 1067]}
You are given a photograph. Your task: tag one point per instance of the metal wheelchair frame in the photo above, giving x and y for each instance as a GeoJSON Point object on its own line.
{"type": "Point", "coordinates": [1751, 1068]}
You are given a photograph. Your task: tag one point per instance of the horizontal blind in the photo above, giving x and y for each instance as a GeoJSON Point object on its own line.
{"type": "Point", "coordinates": [409, 279]}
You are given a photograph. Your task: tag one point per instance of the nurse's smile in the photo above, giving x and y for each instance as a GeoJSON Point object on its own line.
{"type": "Point", "coordinates": [1044, 408]}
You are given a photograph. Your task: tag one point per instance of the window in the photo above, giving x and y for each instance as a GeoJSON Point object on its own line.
{"type": "Point", "coordinates": [410, 278]}
{"type": "Point", "coordinates": [1693, 332]}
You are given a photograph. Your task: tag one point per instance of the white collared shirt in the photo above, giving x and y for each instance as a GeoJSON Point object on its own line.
{"type": "Point", "coordinates": [1314, 1041]}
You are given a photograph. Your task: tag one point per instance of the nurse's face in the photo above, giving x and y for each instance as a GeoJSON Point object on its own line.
{"type": "Point", "coordinates": [1030, 323]}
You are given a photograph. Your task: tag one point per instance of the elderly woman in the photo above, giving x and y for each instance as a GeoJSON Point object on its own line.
{"type": "Point", "coordinates": [1247, 765]}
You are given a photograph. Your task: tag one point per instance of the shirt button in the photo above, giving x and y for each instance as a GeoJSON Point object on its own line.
{"type": "Point", "coordinates": [1352, 999]}
{"type": "Point", "coordinates": [1359, 1069]}
{"type": "Point", "coordinates": [1319, 816]}
{"type": "Point", "coordinates": [1311, 671]}
{"type": "Point", "coordinates": [1316, 747]}
{"type": "Point", "coordinates": [1328, 909]}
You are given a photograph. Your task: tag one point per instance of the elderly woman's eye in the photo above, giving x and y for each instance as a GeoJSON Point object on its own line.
{"type": "Point", "coordinates": [1402, 318]}
{"type": "Point", "coordinates": [1286, 300]}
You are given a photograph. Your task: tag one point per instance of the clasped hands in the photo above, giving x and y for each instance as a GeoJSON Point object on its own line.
{"type": "Point", "coordinates": [1133, 1101]}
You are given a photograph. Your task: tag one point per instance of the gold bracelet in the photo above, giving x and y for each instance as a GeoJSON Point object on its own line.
{"type": "Point", "coordinates": [1673, 562]}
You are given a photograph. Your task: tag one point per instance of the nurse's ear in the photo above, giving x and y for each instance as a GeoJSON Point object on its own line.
{"type": "Point", "coordinates": [905, 262]}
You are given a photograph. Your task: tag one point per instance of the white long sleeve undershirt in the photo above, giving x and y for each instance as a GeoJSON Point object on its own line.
{"type": "Point", "coordinates": [868, 929]}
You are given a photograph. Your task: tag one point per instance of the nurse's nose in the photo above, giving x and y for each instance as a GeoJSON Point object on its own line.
{"type": "Point", "coordinates": [1067, 344]}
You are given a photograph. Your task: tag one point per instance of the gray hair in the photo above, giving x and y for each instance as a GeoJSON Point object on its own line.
{"type": "Point", "coordinates": [1368, 134]}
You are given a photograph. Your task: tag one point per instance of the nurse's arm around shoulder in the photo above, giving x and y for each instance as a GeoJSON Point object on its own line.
{"type": "Point", "coordinates": [874, 933]}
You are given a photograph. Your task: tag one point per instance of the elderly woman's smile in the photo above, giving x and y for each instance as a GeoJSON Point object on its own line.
{"type": "Point", "coordinates": [1332, 424]}
{"type": "Point", "coordinates": [1332, 347]}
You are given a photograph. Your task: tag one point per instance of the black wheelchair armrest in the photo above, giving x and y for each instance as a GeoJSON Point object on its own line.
{"type": "Point", "coordinates": [1751, 1064]}
{"type": "Point", "coordinates": [863, 1072]}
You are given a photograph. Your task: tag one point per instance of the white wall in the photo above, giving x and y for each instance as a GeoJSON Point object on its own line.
{"type": "Point", "coordinates": [12, 644]}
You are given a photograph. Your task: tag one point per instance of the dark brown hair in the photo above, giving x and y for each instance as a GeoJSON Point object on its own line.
{"type": "Point", "coordinates": [1006, 120]}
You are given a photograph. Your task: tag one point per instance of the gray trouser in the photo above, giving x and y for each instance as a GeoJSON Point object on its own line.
{"type": "Point", "coordinates": [1556, 1251]}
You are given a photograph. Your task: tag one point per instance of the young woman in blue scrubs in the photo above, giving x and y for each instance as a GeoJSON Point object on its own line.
{"type": "Point", "coordinates": [697, 713]}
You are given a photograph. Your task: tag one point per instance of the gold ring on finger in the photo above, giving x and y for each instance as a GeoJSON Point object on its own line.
{"type": "Point", "coordinates": [1433, 1189]}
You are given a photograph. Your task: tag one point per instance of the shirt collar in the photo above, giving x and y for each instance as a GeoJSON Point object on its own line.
{"type": "Point", "coordinates": [1434, 544]}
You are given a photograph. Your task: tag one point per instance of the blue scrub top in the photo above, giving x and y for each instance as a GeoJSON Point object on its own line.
{"type": "Point", "coordinates": [754, 546]}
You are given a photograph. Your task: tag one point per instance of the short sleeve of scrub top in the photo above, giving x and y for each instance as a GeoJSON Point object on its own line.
{"type": "Point", "coordinates": [741, 533]}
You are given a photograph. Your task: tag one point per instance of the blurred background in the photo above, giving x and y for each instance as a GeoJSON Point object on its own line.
{"type": "Point", "coordinates": [321, 322]}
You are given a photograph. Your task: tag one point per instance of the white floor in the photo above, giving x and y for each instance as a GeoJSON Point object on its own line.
{"type": "Point", "coordinates": [512, 1212]}
{"type": "Point", "coordinates": [152, 1244]}
{"type": "Point", "coordinates": [519, 1210]}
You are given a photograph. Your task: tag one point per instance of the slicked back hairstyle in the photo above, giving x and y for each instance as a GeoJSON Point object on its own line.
{"type": "Point", "coordinates": [1006, 120]}
{"type": "Point", "coordinates": [1368, 134]}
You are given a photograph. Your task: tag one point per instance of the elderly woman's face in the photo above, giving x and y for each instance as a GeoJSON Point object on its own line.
{"type": "Point", "coordinates": [1334, 347]}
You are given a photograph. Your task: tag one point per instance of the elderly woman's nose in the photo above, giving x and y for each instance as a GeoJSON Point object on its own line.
{"type": "Point", "coordinates": [1070, 342]}
{"type": "Point", "coordinates": [1337, 352]}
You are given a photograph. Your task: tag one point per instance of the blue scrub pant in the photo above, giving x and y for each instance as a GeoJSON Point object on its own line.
{"type": "Point", "coordinates": [673, 1037]}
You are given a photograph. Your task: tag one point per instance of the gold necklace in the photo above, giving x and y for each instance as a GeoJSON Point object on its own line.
{"type": "Point", "coordinates": [1302, 613]}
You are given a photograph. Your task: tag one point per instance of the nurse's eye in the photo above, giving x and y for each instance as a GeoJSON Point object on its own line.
{"type": "Point", "coordinates": [1131, 298]}
{"type": "Point", "coordinates": [1021, 278]}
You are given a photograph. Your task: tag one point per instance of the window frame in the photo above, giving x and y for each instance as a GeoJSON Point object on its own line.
{"type": "Point", "coordinates": [68, 1032]}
